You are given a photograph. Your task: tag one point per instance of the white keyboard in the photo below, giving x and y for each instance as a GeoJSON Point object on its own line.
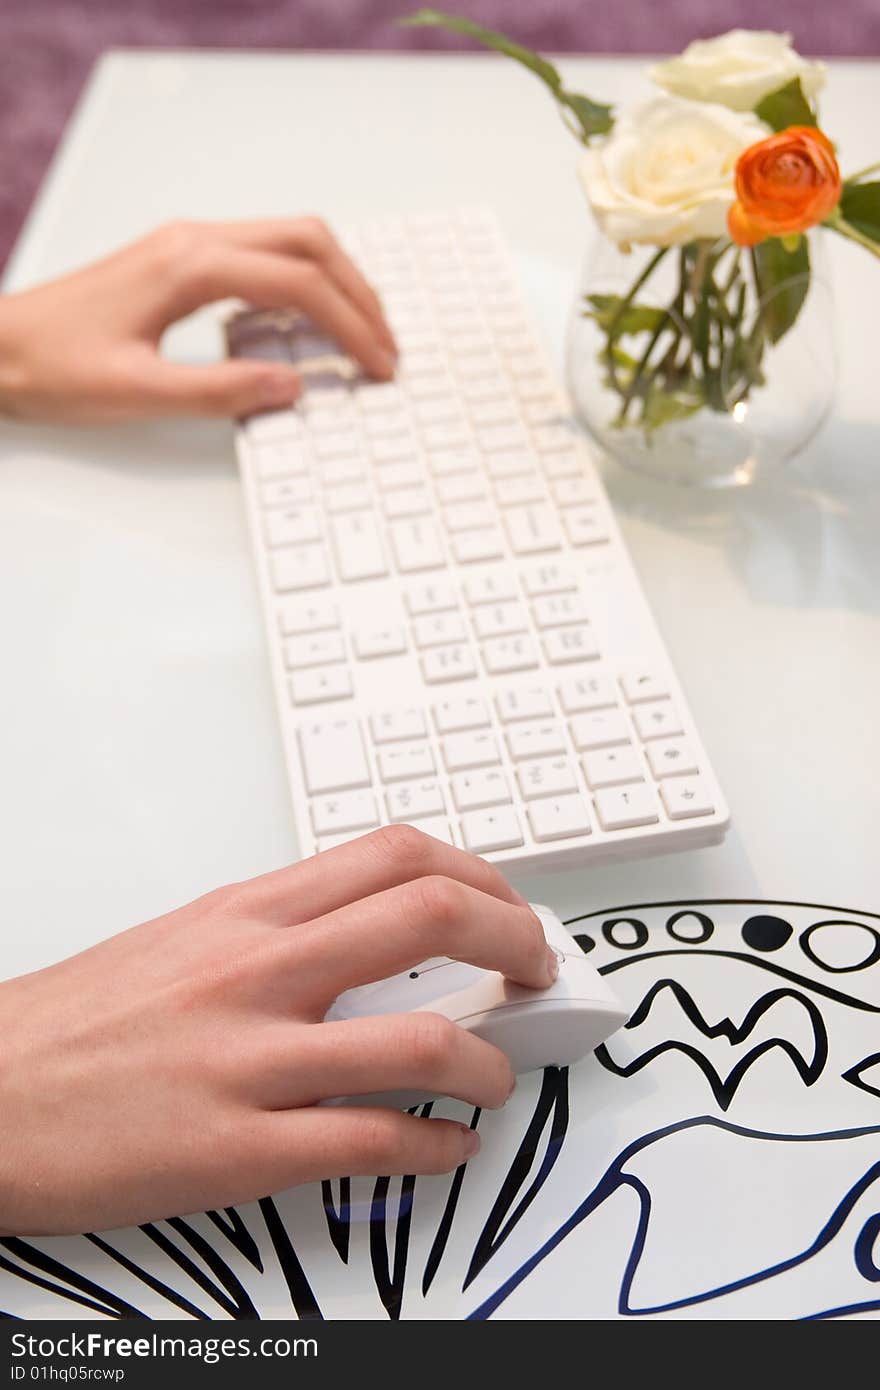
{"type": "Point", "coordinates": [457, 635]}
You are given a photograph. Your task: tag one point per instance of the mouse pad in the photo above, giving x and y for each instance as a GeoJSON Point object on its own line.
{"type": "Point", "coordinates": [719, 1157]}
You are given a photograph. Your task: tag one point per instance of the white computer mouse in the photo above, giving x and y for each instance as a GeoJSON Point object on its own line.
{"type": "Point", "coordinates": [534, 1027]}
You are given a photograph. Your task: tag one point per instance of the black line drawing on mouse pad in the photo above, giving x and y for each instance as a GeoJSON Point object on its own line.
{"type": "Point", "coordinates": [719, 1156]}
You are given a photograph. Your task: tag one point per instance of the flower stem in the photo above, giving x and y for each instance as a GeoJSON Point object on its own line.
{"type": "Point", "coordinates": [622, 307]}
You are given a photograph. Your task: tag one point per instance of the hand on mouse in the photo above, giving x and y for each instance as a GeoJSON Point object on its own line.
{"type": "Point", "coordinates": [177, 1066]}
{"type": "Point", "coordinates": [85, 348]}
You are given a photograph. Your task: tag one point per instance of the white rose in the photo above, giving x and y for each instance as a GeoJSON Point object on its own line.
{"type": "Point", "coordinates": [738, 69]}
{"type": "Point", "coordinates": [665, 173]}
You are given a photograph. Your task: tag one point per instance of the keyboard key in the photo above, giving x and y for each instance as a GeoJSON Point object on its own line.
{"type": "Point", "coordinates": [496, 438]}
{"type": "Point", "coordinates": [502, 654]}
{"type": "Point", "coordinates": [452, 715]}
{"type": "Point", "coordinates": [445, 462]}
{"type": "Point", "coordinates": [448, 435]}
{"type": "Point", "coordinates": [332, 445]}
{"type": "Point", "coordinates": [643, 685]}
{"type": "Point", "coordinates": [344, 811]}
{"type": "Point", "coordinates": [474, 749]}
{"type": "Point", "coordinates": [511, 492]}
{"type": "Point", "coordinates": [274, 461]}
{"type": "Point", "coordinates": [400, 761]}
{"type": "Point", "coordinates": [671, 757]}
{"type": "Point", "coordinates": [333, 756]}
{"type": "Point", "coordinates": [548, 578]}
{"type": "Point", "coordinates": [657, 719]}
{"type": "Point", "coordinates": [502, 410]}
{"type": "Point", "coordinates": [571, 491]}
{"type": "Point", "coordinates": [581, 693]}
{"type": "Point", "coordinates": [412, 800]}
{"type": "Point", "coordinates": [461, 487]}
{"type": "Point", "coordinates": [600, 729]}
{"type": "Point", "coordinates": [620, 808]}
{"type": "Point", "coordinates": [684, 797]}
{"type": "Point", "coordinates": [448, 664]}
{"type": "Point", "coordinates": [300, 567]}
{"type": "Point", "coordinates": [321, 683]}
{"type": "Point", "coordinates": [287, 492]}
{"type": "Point", "coordinates": [434, 597]}
{"type": "Point", "coordinates": [512, 463]}
{"type": "Point", "coordinates": [293, 526]}
{"type": "Point", "coordinates": [483, 544]}
{"type": "Point", "coordinates": [612, 767]}
{"type": "Point", "coordinates": [437, 409]}
{"type": "Point", "coordinates": [545, 777]}
{"type": "Point", "coordinates": [395, 448]}
{"type": "Point", "coordinates": [389, 725]}
{"type": "Point", "coordinates": [559, 818]}
{"type": "Point", "coordinates": [556, 610]}
{"type": "Point", "coordinates": [273, 425]}
{"type": "Point", "coordinates": [523, 702]}
{"type": "Point", "coordinates": [436, 629]}
{"type": "Point", "coordinates": [497, 619]}
{"type": "Point", "coordinates": [436, 826]}
{"type": "Point", "coordinates": [357, 547]}
{"type": "Point", "coordinates": [387, 422]}
{"type": "Point", "coordinates": [490, 586]}
{"type": "Point", "coordinates": [379, 395]}
{"type": "Point", "coordinates": [295, 616]}
{"type": "Point", "coordinates": [532, 529]}
{"type": "Point", "coordinates": [339, 472]}
{"type": "Point", "coordinates": [552, 438]}
{"type": "Point", "coordinates": [347, 497]}
{"type": "Point", "coordinates": [564, 644]}
{"type": "Point", "coordinates": [406, 501]}
{"type": "Point", "coordinates": [485, 787]}
{"type": "Point", "coordinates": [535, 740]}
{"type": "Point", "coordinates": [315, 649]}
{"type": "Point", "coordinates": [464, 516]}
{"type": "Point", "coordinates": [417, 545]}
{"type": "Point", "coordinates": [485, 831]}
{"type": "Point", "coordinates": [371, 642]}
{"type": "Point", "coordinates": [393, 476]}
{"type": "Point", "coordinates": [585, 526]}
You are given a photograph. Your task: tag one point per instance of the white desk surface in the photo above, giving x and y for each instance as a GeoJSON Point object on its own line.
{"type": "Point", "coordinates": [138, 744]}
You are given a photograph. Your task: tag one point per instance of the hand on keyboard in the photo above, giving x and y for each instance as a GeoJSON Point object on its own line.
{"type": "Point", "coordinates": [85, 348]}
{"type": "Point", "coordinates": [178, 1066]}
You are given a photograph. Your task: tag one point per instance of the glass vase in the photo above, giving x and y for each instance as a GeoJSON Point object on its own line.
{"type": "Point", "coordinates": [707, 364]}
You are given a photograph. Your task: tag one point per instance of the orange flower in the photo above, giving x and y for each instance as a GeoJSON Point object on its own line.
{"type": "Point", "coordinates": [784, 185]}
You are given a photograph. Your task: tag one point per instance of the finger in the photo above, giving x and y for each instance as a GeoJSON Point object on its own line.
{"type": "Point", "coordinates": [274, 282]}
{"type": "Point", "coordinates": [418, 1051]}
{"type": "Point", "coordinates": [393, 931]}
{"type": "Point", "coordinates": [372, 864]}
{"type": "Point", "coordinates": [310, 236]}
{"type": "Point", "coordinates": [296, 1146]}
{"type": "Point", "coordinates": [235, 388]}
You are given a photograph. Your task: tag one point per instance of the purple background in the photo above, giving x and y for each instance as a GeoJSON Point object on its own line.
{"type": "Point", "coordinates": [48, 46]}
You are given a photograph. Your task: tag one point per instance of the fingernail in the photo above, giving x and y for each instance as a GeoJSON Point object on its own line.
{"type": "Point", "coordinates": [471, 1143]}
{"type": "Point", "coordinates": [388, 363]}
{"type": "Point", "coordinates": [552, 964]}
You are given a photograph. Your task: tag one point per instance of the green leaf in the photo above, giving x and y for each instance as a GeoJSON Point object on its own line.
{"type": "Point", "coordinates": [859, 207]}
{"type": "Point", "coordinates": [661, 407]}
{"type": "Point", "coordinates": [636, 318]}
{"type": "Point", "coordinates": [592, 117]}
{"type": "Point", "coordinates": [786, 106]}
{"type": "Point", "coordinates": [782, 279]}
